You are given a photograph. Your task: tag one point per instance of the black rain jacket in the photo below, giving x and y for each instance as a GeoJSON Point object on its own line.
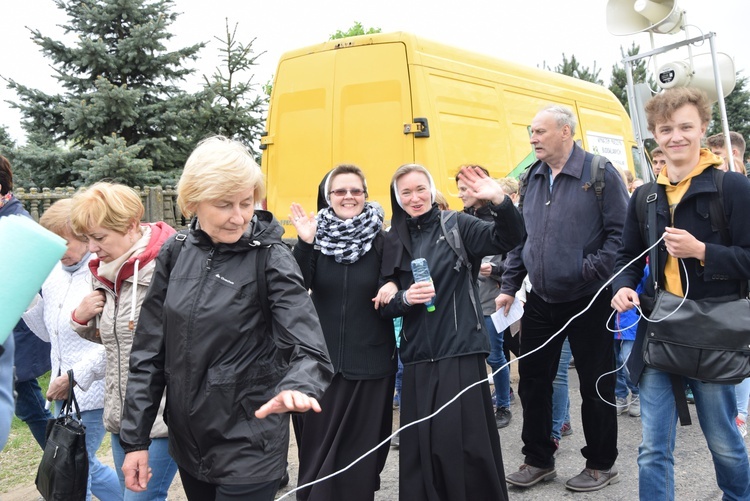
{"type": "Point", "coordinates": [202, 334]}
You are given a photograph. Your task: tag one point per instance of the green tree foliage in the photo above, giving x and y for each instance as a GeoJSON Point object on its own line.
{"type": "Point", "coordinates": [619, 80]}
{"type": "Point", "coordinates": [356, 29]}
{"type": "Point", "coordinates": [118, 81]}
{"type": "Point", "coordinates": [112, 159]}
{"type": "Point", "coordinates": [573, 68]}
{"type": "Point", "coordinates": [738, 111]}
{"type": "Point", "coordinates": [229, 104]}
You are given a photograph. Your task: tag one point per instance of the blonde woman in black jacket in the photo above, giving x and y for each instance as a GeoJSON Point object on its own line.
{"type": "Point", "coordinates": [339, 252]}
{"type": "Point", "coordinates": [231, 378]}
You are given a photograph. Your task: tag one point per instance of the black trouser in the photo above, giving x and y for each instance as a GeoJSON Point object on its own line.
{"type": "Point", "coordinates": [592, 347]}
{"type": "Point", "coordinates": [197, 490]}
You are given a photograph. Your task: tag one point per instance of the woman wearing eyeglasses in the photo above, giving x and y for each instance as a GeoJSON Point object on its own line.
{"type": "Point", "coordinates": [339, 252]}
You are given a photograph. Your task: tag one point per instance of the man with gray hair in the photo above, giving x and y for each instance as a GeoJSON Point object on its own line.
{"type": "Point", "coordinates": [568, 253]}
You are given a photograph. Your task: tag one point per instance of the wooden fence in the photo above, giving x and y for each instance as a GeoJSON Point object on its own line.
{"type": "Point", "coordinates": [160, 203]}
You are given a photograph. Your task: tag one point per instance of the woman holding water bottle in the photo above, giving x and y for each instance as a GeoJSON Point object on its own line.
{"type": "Point", "coordinates": [455, 455]}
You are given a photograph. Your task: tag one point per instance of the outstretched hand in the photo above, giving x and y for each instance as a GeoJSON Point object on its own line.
{"type": "Point", "coordinates": [304, 223]}
{"type": "Point", "coordinates": [288, 401]}
{"type": "Point", "coordinates": [483, 186]}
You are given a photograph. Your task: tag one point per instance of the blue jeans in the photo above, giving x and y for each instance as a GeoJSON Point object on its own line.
{"type": "Point", "coordinates": [623, 348]}
{"type": "Point", "coordinates": [497, 360]}
{"type": "Point", "coordinates": [716, 407]}
{"type": "Point", "coordinates": [30, 409]}
{"type": "Point", "coordinates": [560, 396]}
{"type": "Point", "coordinates": [7, 403]}
{"type": "Point", "coordinates": [399, 378]}
{"type": "Point", "coordinates": [162, 467]}
{"type": "Point", "coordinates": [742, 392]}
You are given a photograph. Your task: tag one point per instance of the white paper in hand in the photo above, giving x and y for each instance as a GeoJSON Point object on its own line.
{"type": "Point", "coordinates": [502, 321]}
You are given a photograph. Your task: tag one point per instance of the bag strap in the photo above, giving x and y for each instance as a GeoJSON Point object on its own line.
{"type": "Point", "coordinates": [680, 400]}
{"type": "Point", "coordinates": [678, 387]}
{"type": "Point", "coordinates": [653, 258]}
{"type": "Point", "coordinates": [70, 401]}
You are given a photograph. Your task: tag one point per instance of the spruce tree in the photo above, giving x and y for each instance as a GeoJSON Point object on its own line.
{"type": "Point", "coordinates": [619, 80]}
{"type": "Point", "coordinates": [120, 92]}
{"type": "Point", "coordinates": [737, 104]}
{"type": "Point", "coordinates": [229, 104]}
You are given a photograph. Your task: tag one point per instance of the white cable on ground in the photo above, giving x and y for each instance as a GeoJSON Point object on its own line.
{"type": "Point", "coordinates": [485, 379]}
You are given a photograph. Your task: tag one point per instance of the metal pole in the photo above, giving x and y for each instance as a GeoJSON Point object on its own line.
{"type": "Point", "coordinates": [722, 105]}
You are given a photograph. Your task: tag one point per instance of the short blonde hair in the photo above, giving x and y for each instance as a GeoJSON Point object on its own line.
{"type": "Point", "coordinates": [509, 185]}
{"type": "Point", "coordinates": [57, 219]}
{"type": "Point", "coordinates": [112, 206]}
{"type": "Point", "coordinates": [218, 167]}
{"type": "Point", "coordinates": [441, 201]}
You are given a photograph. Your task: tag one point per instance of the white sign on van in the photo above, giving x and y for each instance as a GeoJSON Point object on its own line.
{"type": "Point", "coordinates": [610, 146]}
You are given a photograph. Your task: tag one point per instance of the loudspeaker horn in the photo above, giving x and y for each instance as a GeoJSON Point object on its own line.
{"type": "Point", "coordinates": [699, 72]}
{"type": "Point", "coordinates": [628, 17]}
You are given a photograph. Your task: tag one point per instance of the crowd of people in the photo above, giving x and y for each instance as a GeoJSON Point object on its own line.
{"type": "Point", "coordinates": [196, 349]}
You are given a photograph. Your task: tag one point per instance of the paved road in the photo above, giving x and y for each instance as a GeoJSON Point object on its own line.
{"type": "Point", "coordinates": [694, 475]}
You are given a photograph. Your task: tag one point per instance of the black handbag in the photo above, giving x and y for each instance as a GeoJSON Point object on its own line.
{"type": "Point", "coordinates": [707, 340]}
{"type": "Point", "coordinates": [64, 470]}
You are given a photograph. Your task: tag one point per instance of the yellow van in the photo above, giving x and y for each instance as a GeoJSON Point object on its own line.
{"type": "Point", "coordinates": [383, 100]}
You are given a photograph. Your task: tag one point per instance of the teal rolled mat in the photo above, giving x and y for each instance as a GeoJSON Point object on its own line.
{"type": "Point", "coordinates": [27, 256]}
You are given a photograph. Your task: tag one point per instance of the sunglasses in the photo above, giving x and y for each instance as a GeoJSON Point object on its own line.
{"type": "Point", "coordinates": [341, 192]}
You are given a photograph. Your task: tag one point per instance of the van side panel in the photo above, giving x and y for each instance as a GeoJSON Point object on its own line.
{"type": "Point", "coordinates": [300, 129]}
{"type": "Point", "coordinates": [373, 102]}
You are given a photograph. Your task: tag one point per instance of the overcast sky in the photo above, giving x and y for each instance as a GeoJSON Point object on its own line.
{"type": "Point", "coordinates": [528, 32]}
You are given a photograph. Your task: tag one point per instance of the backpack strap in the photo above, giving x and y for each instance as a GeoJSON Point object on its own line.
{"type": "Point", "coordinates": [261, 256]}
{"type": "Point", "coordinates": [598, 166]}
{"type": "Point", "coordinates": [449, 225]}
{"type": "Point", "coordinates": [716, 212]}
{"type": "Point", "coordinates": [523, 183]}
{"type": "Point", "coordinates": [174, 250]}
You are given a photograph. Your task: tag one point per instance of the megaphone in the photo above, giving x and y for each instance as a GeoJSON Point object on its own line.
{"type": "Point", "coordinates": [698, 72]}
{"type": "Point", "coordinates": [628, 17]}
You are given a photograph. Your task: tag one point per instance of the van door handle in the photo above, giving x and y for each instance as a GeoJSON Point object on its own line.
{"type": "Point", "coordinates": [420, 128]}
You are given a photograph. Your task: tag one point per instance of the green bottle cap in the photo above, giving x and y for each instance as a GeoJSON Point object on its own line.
{"type": "Point", "coordinates": [431, 307]}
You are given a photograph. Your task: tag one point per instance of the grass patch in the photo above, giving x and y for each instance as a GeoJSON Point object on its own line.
{"type": "Point", "coordinates": [21, 455]}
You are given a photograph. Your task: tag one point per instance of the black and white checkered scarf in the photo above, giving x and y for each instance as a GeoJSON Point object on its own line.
{"type": "Point", "coordinates": [347, 240]}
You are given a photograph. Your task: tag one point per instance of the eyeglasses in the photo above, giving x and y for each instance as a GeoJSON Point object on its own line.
{"type": "Point", "coordinates": [341, 192]}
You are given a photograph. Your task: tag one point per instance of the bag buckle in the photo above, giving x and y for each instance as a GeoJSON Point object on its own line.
{"type": "Point", "coordinates": [651, 198]}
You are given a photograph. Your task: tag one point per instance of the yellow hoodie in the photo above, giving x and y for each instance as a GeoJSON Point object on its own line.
{"type": "Point", "coordinates": [675, 192]}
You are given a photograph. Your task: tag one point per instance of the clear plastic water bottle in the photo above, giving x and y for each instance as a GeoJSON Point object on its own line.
{"type": "Point", "coordinates": [421, 273]}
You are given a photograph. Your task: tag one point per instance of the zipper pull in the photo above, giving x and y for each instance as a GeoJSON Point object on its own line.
{"type": "Point", "coordinates": [209, 259]}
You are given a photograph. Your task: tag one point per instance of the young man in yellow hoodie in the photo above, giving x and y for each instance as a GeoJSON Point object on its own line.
{"type": "Point", "coordinates": [713, 268]}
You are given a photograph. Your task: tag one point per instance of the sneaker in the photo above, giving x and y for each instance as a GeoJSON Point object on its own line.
{"type": "Point", "coordinates": [592, 480]}
{"type": "Point", "coordinates": [621, 404]}
{"type": "Point", "coordinates": [502, 417]}
{"type": "Point", "coordinates": [741, 426]}
{"type": "Point", "coordinates": [689, 395]}
{"type": "Point", "coordinates": [566, 430]}
{"type": "Point", "coordinates": [528, 475]}
{"type": "Point", "coordinates": [635, 407]}
{"type": "Point", "coordinates": [512, 395]}
{"type": "Point", "coordinates": [556, 441]}
{"type": "Point", "coordinates": [494, 398]}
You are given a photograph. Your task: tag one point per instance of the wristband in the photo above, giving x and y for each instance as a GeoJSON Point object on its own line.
{"type": "Point", "coordinates": [404, 300]}
{"type": "Point", "coordinates": [73, 316]}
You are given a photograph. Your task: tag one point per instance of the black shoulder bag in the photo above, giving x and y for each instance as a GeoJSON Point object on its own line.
{"type": "Point", "coordinates": [706, 339]}
{"type": "Point", "coordinates": [64, 470]}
